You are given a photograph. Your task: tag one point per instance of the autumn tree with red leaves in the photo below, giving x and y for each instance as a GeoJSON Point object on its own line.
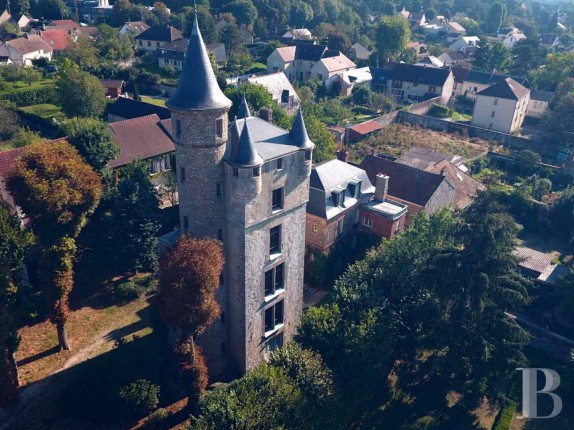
{"type": "Point", "coordinates": [188, 280]}
{"type": "Point", "coordinates": [58, 191]}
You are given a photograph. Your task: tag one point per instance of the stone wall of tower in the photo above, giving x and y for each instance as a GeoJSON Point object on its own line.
{"type": "Point", "coordinates": [200, 152]}
{"type": "Point", "coordinates": [249, 220]}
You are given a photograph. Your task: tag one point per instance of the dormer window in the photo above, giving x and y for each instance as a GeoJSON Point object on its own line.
{"type": "Point", "coordinates": [339, 198]}
{"type": "Point", "coordinates": [256, 172]}
{"type": "Point", "coordinates": [355, 188]}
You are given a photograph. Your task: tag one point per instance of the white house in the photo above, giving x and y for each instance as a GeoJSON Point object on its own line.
{"type": "Point", "coordinates": [512, 39]}
{"type": "Point", "coordinates": [280, 89]}
{"type": "Point", "coordinates": [502, 106]}
{"type": "Point", "coordinates": [348, 79]}
{"type": "Point", "coordinates": [23, 50]}
{"type": "Point", "coordinates": [306, 61]}
{"type": "Point", "coordinates": [539, 101]}
{"type": "Point", "coordinates": [134, 28]}
{"type": "Point", "coordinates": [156, 36]}
{"type": "Point", "coordinates": [465, 42]}
{"type": "Point", "coordinates": [359, 52]}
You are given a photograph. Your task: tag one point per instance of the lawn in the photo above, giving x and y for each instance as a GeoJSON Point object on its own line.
{"type": "Point", "coordinates": [455, 116]}
{"type": "Point", "coordinates": [153, 101]}
{"type": "Point", "coordinates": [46, 111]}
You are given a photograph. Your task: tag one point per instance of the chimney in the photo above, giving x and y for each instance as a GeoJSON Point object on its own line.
{"type": "Point", "coordinates": [376, 152]}
{"type": "Point", "coordinates": [381, 187]}
{"type": "Point", "coordinates": [266, 114]}
{"type": "Point", "coordinates": [342, 155]}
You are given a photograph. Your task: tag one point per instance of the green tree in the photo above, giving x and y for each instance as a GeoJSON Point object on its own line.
{"type": "Point", "coordinates": [122, 12]}
{"type": "Point", "coordinates": [562, 214]}
{"type": "Point", "coordinates": [265, 398]}
{"type": "Point", "coordinates": [362, 95]}
{"type": "Point", "coordinates": [50, 9]}
{"type": "Point", "coordinates": [324, 141]}
{"type": "Point", "coordinates": [9, 122]}
{"type": "Point", "coordinates": [393, 35]}
{"type": "Point", "coordinates": [83, 52]}
{"type": "Point", "coordinates": [93, 140]}
{"type": "Point", "coordinates": [230, 36]}
{"type": "Point", "coordinates": [555, 128]}
{"type": "Point", "coordinates": [256, 95]}
{"type": "Point", "coordinates": [496, 17]}
{"type": "Point", "coordinates": [161, 13]}
{"type": "Point", "coordinates": [566, 292]}
{"type": "Point", "coordinates": [558, 67]}
{"type": "Point", "coordinates": [493, 56]}
{"type": "Point", "coordinates": [14, 243]}
{"type": "Point", "coordinates": [300, 13]}
{"type": "Point", "coordinates": [58, 191]}
{"type": "Point", "coordinates": [81, 94]}
{"type": "Point", "coordinates": [243, 10]}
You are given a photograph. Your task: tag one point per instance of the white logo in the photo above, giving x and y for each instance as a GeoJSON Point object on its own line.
{"type": "Point", "coordinates": [530, 392]}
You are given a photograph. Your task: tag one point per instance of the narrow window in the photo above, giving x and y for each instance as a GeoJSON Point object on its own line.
{"type": "Point", "coordinates": [274, 280]}
{"type": "Point", "coordinates": [223, 347]}
{"type": "Point", "coordinates": [219, 189]}
{"type": "Point", "coordinates": [314, 228]}
{"type": "Point", "coordinates": [279, 313]}
{"type": "Point", "coordinates": [256, 172]}
{"type": "Point", "coordinates": [182, 174]}
{"type": "Point", "coordinates": [356, 218]}
{"type": "Point", "coordinates": [220, 234]}
{"type": "Point", "coordinates": [367, 222]}
{"type": "Point", "coordinates": [185, 223]}
{"type": "Point", "coordinates": [221, 279]}
{"type": "Point", "coordinates": [148, 43]}
{"type": "Point", "coordinates": [495, 102]}
{"type": "Point", "coordinates": [308, 155]}
{"type": "Point", "coordinates": [340, 227]}
{"type": "Point", "coordinates": [177, 128]}
{"type": "Point", "coordinates": [275, 342]}
{"type": "Point", "coordinates": [274, 316]}
{"type": "Point", "coordinates": [235, 171]}
{"type": "Point", "coordinates": [222, 317]}
{"type": "Point", "coordinates": [275, 240]}
{"type": "Point", "coordinates": [219, 127]}
{"type": "Point", "coordinates": [277, 199]}
{"type": "Point", "coordinates": [279, 163]}
{"type": "Point", "coordinates": [492, 114]}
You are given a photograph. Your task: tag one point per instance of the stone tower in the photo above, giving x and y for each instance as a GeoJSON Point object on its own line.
{"type": "Point", "coordinates": [247, 185]}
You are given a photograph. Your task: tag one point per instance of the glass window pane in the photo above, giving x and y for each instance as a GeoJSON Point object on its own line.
{"type": "Point", "coordinates": [269, 319]}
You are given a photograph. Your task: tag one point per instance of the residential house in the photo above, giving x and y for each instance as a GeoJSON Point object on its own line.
{"type": "Point", "coordinates": [124, 108]}
{"type": "Point", "coordinates": [502, 106]}
{"type": "Point", "coordinates": [465, 43]}
{"type": "Point", "coordinates": [419, 48]}
{"type": "Point", "coordinates": [539, 265]}
{"type": "Point", "coordinates": [432, 29]}
{"type": "Point", "coordinates": [281, 90]}
{"type": "Point", "coordinates": [298, 34]}
{"type": "Point", "coordinates": [453, 29]}
{"type": "Point", "coordinates": [361, 131]}
{"type": "Point", "coordinates": [113, 87]}
{"type": "Point", "coordinates": [417, 83]}
{"type": "Point", "coordinates": [23, 22]}
{"type": "Point", "coordinates": [156, 36]}
{"type": "Point", "coordinates": [24, 50]}
{"type": "Point", "coordinates": [470, 82]}
{"type": "Point", "coordinates": [455, 58]}
{"type": "Point", "coordinates": [339, 133]}
{"type": "Point", "coordinates": [134, 28]}
{"type": "Point", "coordinates": [359, 52]}
{"type": "Point", "coordinates": [539, 101]}
{"type": "Point", "coordinates": [347, 80]}
{"type": "Point", "coordinates": [419, 190]}
{"type": "Point", "coordinates": [438, 20]}
{"type": "Point", "coordinates": [336, 192]}
{"type": "Point", "coordinates": [5, 17]}
{"type": "Point", "coordinates": [4, 55]}
{"type": "Point", "coordinates": [304, 61]}
{"type": "Point", "coordinates": [382, 216]}
{"type": "Point", "coordinates": [505, 31]}
{"type": "Point", "coordinates": [431, 61]}
{"type": "Point", "coordinates": [146, 138]}
{"type": "Point", "coordinates": [68, 25]}
{"type": "Point", "coordinates": [513, 38]}
{"type": "Point", "coordinates": [246, 35]}
{"type": "Point", "coordinates": [59, 40]}
{"type": "Point", "coordinates": [173, 53]}
{"type": "Point", "coordinates": [416, 20]}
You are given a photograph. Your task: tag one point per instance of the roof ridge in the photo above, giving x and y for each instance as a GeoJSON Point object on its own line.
{"type": "Point", "coordinates": [136, 118]}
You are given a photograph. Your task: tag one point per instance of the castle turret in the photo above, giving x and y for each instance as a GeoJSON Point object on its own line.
{"type": "Point", "coordinates": [300, 137]}
{"type": "Point", "coordinates": [245, 163]}
{"type": "Point", "coordinates": [243, 111]}
{"type": "Point", "coordinates": [199, 123]}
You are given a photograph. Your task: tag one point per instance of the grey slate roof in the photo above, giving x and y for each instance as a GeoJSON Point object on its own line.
{"type": "Point", "coordinates": [299, 132]}
{"type": "Point", "coordinates": [245, 154]}
{"type": "Point", "coordinates": [160, 33]}
{"type": "Point", "coordinates": [198, 88]}
{"type": "Point", "coordinates": [410, 73]}
{"type": "Point", "coordinates": [270, 141]}
{"type": "Point", "coordinates": [334, 176]}
{"type": "Point", "coordinates": [506, 89]}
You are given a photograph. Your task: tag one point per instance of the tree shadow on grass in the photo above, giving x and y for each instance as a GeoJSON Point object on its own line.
{"type": "Point", "coordinates": [39, 356]}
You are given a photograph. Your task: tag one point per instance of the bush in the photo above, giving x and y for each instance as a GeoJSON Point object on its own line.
{"type": "Point", "coordinates": [140, 397]}
{"type": "Point", "coordinates": [127, 291]}
{"type": "Point", "coordinates": [156, 417]}
{"type": "Point", "coordinates": [505, 417]}
{"type": "Point", "coordinates": [439, 111]}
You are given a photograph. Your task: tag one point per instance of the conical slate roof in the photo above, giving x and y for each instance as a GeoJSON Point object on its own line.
{"type": "Point", "coordinates": [243, 111]}
{"type": "Point", "coordinates": [233, 140]}
{"type": "Point", "coordinates": [299, 134]}
{"type": "Point", "coordinates": [245, 155]}
{"type": "Point", "coordinates": [198, 88]}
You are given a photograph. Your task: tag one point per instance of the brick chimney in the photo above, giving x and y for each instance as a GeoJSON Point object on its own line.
{"type": "Point", "coordinates": [266, 114]}
{"type": "Point", "coordinates": [381, 187]}
{"type": "Point", "coordinates": [342, 154]}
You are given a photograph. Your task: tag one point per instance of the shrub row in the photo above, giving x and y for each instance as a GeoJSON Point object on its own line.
{"type": "Point", "coordinates": [505, 417]}
{"type": "Point", "coordinates": [31, 96]}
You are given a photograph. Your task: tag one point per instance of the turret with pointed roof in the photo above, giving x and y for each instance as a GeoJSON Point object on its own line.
{"type": "Point", "coordinates": [243, 108]}
{"type": "Point", "coordinates": [246, 155]}
{"type": "Point", "coordinates": [299, 134]}
{"type": "Point", "coordinates": [198, 88]}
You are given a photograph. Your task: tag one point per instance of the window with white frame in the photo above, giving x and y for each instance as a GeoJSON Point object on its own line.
{"type": "Point", "coordinates": [274, 280]}
{"type": "Point", "coordinates": [367, 222]}
{"type": "Point", "coordinates": [274, 317]}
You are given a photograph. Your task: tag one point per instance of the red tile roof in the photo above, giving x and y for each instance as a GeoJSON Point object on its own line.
{"type": "Point", "coordinates": [64, 24]}
{"type": "Point", "coordinates": [140, 138]}
{"type": "Point", "coordinates": [367, 127]}
{"type": "Point", "coordinates": [8, 161]}
{"type": "Point", "coordinates": [58, 40]}
{"type": "Point", "coordinates": [111, 83]}
{"type": "Point", "coordinates": [30, 43]}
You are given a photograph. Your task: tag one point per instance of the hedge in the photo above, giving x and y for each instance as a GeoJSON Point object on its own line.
{"type": "Point", "coordinates": [505, 417]}
{"type": "Point", "coordinates": [31, 96]}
